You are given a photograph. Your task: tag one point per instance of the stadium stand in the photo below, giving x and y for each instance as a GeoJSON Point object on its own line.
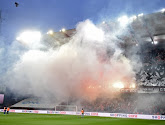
{"type": "Point", "coordinates": [152, 73]}
{"type": "Point", "coordinates": [137, 104]}
{"type": "Point", "coordinates": [34, 103]}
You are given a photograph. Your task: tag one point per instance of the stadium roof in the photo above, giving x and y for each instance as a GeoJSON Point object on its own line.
{"type": "Point", "coordinates": [150, 27]}
{"type": "Point", "coordinates": [144, 29]}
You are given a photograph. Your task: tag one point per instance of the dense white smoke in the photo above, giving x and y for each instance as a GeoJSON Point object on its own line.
{"type": "Point", "coordinates": [82, 67]}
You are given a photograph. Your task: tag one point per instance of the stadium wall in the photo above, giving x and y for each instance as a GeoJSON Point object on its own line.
{"type": "Point", "coordinates": [116, 115]}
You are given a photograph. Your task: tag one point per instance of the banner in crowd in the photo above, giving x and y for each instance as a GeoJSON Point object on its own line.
{"type": "Point", "coordinates": [151, 90]}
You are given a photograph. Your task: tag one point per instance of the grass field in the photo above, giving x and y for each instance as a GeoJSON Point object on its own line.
{"type": "Point", "coordinates": [45, 119]}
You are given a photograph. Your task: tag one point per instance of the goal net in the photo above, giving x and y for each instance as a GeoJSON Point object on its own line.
{"type": "Point", "coordinates": [66, 108]}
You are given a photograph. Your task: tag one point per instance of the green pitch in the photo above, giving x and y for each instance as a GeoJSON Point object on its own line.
{"type": "Point", "coordinates": [45, 119]}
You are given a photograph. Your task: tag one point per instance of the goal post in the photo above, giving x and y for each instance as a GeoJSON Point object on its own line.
{"type": "Point", "coordinates": [66, 108]}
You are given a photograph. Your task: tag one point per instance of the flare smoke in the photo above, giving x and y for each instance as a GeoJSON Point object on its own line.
{"type": "Point", "coordinates": [85, 66]}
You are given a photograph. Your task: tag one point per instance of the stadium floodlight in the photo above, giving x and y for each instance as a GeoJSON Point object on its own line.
{"type": "Point", "coordinates": [124, 20]}
{"type": "Point", "coordinates": [50, 32]}
{"type": "Point", "coordinates": [29, 37]}
{"type": "Point", "coordinates": [63, 30]}
{"type": "Point", "coordinates": [140, 15]}
{"type": "Point", "coordinates": [133, 18]}
{"type": "Point", "coordinates": [118, 85]}
{"type": "Point", "coordinates": [162, 10]}
{"type": "Point", "coordinates": [155, 42]}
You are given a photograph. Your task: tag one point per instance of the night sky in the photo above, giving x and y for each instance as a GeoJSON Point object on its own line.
{"type": "Point", "coordinates": [56, 14]}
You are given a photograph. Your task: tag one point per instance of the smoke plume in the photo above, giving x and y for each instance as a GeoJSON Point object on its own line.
{"type": "Point", "coordinates": [86, 66]}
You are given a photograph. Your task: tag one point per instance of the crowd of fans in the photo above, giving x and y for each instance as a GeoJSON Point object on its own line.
{"type": "Point", "coordinates": [115, 105]}
{"type": "Point", "coordinates": [153, 56]}
{"type": "Point", "coordinates": [153, 71]}
{"type": "Point", "coordinates": [127, 104]}
{"type": "Point", "coordinates": [152, 75]}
